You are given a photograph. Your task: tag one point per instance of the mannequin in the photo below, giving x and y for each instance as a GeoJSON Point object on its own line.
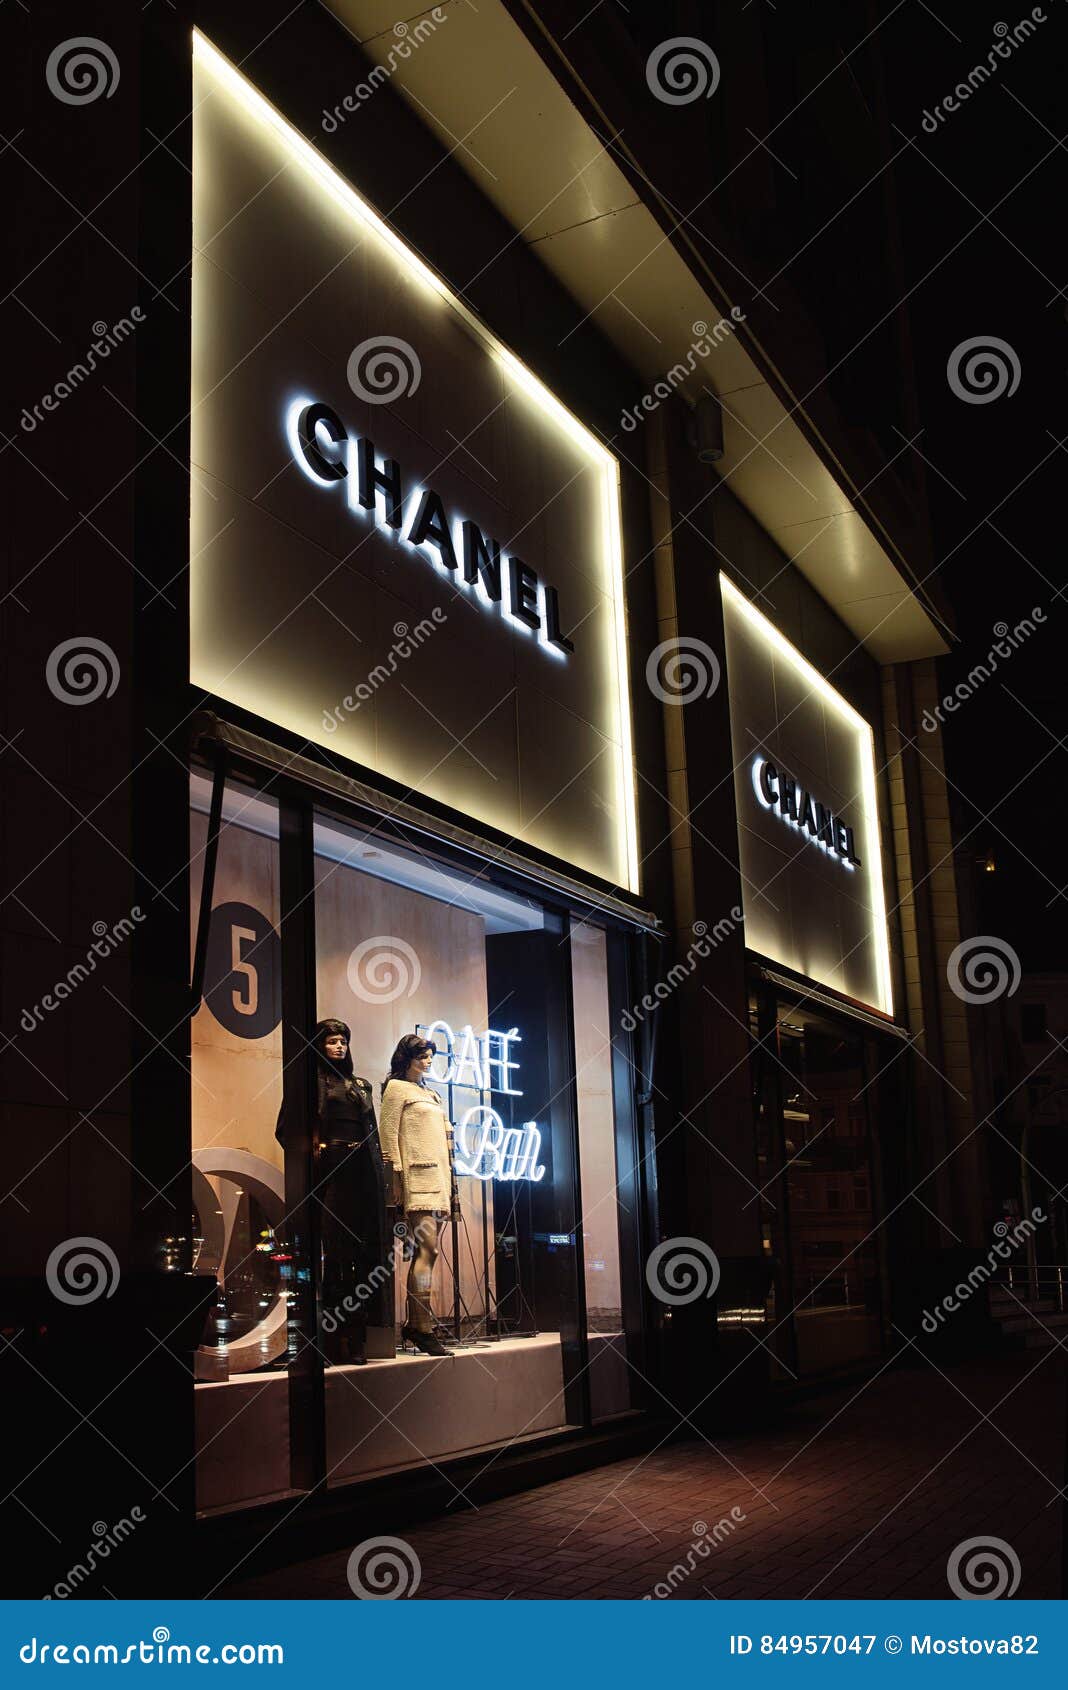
{"type": "Point", "coordinates": [349, 1188]}
{"type": "Point", "coordinates": [417, 1139]}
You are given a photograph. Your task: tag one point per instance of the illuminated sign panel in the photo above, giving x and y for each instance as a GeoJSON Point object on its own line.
{"type": "Point", "coordinates": [808, 820]}
{"type": "Point", "coordinates": [404, 547]}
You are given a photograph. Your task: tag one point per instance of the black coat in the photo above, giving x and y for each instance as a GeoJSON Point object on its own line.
{"type": "Point", "coordinates": [345, 1110]}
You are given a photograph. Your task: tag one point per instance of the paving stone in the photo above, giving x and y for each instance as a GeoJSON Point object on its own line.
{"type": "Point", "coordinates": [867, 1491]}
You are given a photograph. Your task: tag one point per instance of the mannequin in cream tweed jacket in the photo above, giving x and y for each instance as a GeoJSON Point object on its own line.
{"type": "Point", "coordinates": [415, 1136]}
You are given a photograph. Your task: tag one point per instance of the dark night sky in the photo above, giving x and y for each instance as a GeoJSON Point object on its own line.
{"type": "Point", "coordinates": [997, 528]}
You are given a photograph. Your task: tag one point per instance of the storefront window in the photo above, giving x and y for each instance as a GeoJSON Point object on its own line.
{"type": "Point", "coordinates": [415, 1210]}
{"type": "Point", "coordinates": [610, 1377]}
{"type": "Point", "coordinates": [238, 1180]}
{"type": "Point", "coordinates": [472, 1256]}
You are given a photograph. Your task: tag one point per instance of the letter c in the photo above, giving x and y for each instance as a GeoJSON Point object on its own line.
{"type": "Point", "coordinates": [304, 419]}
{"type": "Point", "coordinates": [765, 776]}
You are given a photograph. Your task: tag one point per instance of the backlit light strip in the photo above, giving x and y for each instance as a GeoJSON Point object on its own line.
{"type": "Point", "coordinates": [206, 57]}
{"type": "Point", "coordinates": [817, 683]}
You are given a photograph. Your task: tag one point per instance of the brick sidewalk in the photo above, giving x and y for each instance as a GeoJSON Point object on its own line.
{"type": "Point", "coordinates": [863, 1493]}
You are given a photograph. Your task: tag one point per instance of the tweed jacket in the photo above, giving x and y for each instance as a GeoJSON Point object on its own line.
{"type": "Point", "coordinates": [415, 1135]}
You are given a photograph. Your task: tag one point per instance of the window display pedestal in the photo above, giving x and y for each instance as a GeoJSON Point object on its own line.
{"type": "Point", "coordinates": [381, 1418]}
{"type": "Point", "coordinates": [467, 1400]}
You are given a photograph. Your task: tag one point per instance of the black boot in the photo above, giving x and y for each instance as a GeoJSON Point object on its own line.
{"type": "Point", "coordinates": [424, 1341]}
{"type": "Point", "coordinates": [356, 1354]}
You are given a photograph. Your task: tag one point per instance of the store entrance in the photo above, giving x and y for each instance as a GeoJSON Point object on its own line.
{"type": "Point", "coordinates": [817, 1119]}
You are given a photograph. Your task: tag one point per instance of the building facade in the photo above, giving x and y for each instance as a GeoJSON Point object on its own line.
{"type": "Point", "coordinates": [499, 626]}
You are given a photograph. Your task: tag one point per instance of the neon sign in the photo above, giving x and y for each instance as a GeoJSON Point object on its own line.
{"type": "Point", "coordinates": [487, 1149]}
{"type": "Point", "coordinates": [323, 448]}
{"type": "Point", "coordinates": [484, 1147]}
{"type": "Point", "coordinates": [479, 1056]}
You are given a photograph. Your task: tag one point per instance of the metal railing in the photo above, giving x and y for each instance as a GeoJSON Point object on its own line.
{"type": "Point", "coordinates": [1044, 1282]}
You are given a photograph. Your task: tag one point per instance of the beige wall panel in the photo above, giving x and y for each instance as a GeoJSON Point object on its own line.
{"type": "Point", "coordinates": [803, 905]}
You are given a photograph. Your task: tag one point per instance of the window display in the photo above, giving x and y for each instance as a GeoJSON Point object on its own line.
{"type": "Point", "coordinates": [459, 1218]}
{"type": "Point", "coordinates": [455, 991]}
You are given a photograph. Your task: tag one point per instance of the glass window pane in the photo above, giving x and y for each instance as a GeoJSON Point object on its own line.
{"type": "Point", "coordinates": [242, 1403]}
{"type": "Point", "coordinates": [610, 1391]}
{"type": "Point", "coordinates": [476, 1255]}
